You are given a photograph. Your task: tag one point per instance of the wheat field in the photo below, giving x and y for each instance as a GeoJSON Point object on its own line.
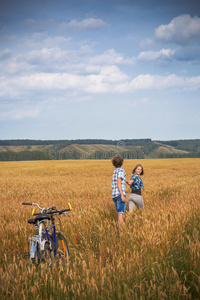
{"type": "Point", "coordinates": [156, 255]}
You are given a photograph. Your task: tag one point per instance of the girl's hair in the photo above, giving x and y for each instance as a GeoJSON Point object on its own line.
{"type": "Point", "coordinates": [117, 161]}
{"type": "Point", "coordinates": [138, 165]}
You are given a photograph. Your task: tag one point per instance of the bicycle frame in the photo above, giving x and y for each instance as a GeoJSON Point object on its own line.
{"type": "Point", "coordinates": [54, 235]}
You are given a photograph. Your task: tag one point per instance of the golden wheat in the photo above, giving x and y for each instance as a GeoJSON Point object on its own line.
{"type": "Point", "coordinates": [156, 255]}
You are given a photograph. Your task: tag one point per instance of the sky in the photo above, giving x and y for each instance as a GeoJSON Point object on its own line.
{"type": "Point", "coordinates": [99, 69]}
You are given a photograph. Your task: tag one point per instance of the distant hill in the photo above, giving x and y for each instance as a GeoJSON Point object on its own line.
{"type": "Point", "coordinates": [14, 150]}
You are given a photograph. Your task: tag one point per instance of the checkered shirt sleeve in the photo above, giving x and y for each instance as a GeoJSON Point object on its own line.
{"type": "Point", "coordinates": [137, 182]}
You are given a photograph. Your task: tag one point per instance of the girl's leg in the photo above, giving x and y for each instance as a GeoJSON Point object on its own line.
{"type": "Point", "coordinates": [131, 204]}
{"type": "Point", "coordinates": [139, 201]}
{"type": "Point", "coordinates": [130, 211]}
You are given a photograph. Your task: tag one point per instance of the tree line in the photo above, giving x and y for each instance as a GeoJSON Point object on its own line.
{"type": "Point", "coordinates": [63, 155]}
{"type": "Point", "coordinates": [64, 143]}
{"type": "Point", "coordinates": [146, 147]}
{"type": "Point", "coordinates": [186, 145]}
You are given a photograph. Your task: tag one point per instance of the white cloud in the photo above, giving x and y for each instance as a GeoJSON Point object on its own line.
{"type": "Point", "coordinates": [15, 66]}
{"type": "Point", "coordinates": [89, 23]}
{"type": "Point", "coordinates": [55, 59]}
{"type": "Point", "coordinates": [52, 41]}
{"type": "Point", "coordinates": [109, 80]}
{"type": "Point", "coordinates": [110, 57]}
{"type": "Point", "coordinates": [164, 54]}
{"type": "Point", "coordinates": [147, 81]}
{"type": "Point", "coordinates": [86, 49]}
{"type": "Point", "coordinates": [180, 30]}
{"type": "Point", "coordinates": [46, 55]}
{"type": "Point", "coordinates": [40, 40]}
{"type": "Point", "coordinates": [45, 59]}
{"type": "Point", "coordinates": [106, 81]}
{"type": "Point", "coordinates": [183, 54]}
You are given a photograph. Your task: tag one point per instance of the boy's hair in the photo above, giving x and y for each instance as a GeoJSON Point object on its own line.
{"type": "Point", "coordinates": [138, 165]}
{"type": "Point", "coordinates": [117, 161]}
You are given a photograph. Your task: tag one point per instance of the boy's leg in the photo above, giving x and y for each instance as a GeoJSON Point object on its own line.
{"type": "Point", "coordinates": [121, 212]}
{"type": "Point", "coordinates": [120, 218]}
{"type": "Point", "coordinates": [120, 206]}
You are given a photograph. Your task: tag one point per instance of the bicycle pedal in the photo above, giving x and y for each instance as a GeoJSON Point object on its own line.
{"type": "Point", "coordinates": [26, 255]}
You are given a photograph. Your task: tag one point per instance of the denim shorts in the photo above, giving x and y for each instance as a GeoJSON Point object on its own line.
{"type": "Point", "coordinates": [119, 204]}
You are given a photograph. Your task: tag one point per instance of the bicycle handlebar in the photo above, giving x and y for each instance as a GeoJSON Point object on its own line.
{"type": "Point", "coordinates": [47, 209]}
{"type": "Point", "coordinates": [62, 211]}
{"type": "Point", "coordinates": [25, 203]}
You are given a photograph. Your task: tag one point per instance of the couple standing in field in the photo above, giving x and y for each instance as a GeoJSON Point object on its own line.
{"type": "Point", "coordinates": [119, 188]}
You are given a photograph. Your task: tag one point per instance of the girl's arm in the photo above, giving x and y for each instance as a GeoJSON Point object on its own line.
{"type": "Point", "coordinates": [120, 189]}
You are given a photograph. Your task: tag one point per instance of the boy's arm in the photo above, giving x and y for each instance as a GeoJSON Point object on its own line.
{"type": "Point", "coordinates": [129, 182]}
{"type": "Point", "coordinates": [120, 189]}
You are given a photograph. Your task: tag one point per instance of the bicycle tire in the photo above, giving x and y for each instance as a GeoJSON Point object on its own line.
{"type": "Point", "coordinates": [47, 255]}
{"type": "Point", "coordinates": [62, 256]}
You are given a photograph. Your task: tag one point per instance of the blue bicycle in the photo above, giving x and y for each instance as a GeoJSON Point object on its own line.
{"type": "Point", "coordinates": [48, 245]}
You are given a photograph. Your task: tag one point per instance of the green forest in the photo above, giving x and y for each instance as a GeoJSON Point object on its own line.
{"type": "Point", "coordinates": [19, 150]}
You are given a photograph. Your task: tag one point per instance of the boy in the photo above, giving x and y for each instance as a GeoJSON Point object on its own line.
{"type": "Point", "coordinates": [119, 187]}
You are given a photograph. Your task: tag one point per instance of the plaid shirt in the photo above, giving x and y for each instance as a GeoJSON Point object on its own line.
{"type": "Point", "coordinates": [118, 173]}
{"type": "Point", "coordinates": [137, 182]}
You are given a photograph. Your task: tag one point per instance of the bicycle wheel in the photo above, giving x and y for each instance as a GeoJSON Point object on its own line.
{"type": "Point", "coordinates": [47, 255]}
{"type": "Point", "coordinates": [62, 256]}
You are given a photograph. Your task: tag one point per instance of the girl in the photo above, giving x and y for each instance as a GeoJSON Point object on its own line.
{"type": "Point", "coordinates": [136, 185]}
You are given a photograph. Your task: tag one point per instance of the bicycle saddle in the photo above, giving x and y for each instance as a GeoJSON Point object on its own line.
{"type": "Point", "coordinates": [39, 218]}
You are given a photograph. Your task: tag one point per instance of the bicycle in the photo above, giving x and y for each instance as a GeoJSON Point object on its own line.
{"type": "Point", "coordinates": [48, 245]}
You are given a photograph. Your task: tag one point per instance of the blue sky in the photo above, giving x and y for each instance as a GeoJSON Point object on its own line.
{"type": "Point", "coordinates": [99, 69]}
